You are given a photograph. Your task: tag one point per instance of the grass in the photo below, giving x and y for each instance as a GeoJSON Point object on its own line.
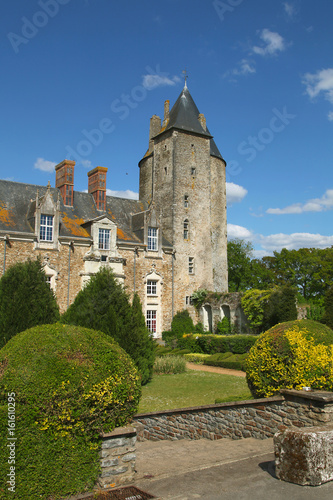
{"type": "Point", "coordinates": [192, 388]}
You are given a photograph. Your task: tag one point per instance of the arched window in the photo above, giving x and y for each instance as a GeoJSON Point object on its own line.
{"type": "Point", "coordinates": [186, 229]}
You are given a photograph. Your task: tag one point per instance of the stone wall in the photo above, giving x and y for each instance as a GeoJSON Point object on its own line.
{"type": "Point", "coordinates": [259, 418]}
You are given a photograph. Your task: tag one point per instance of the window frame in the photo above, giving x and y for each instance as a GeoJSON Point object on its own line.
{"type": "Point", "coordinates": [104, 243]}
{"type": "Point", "coordinates": [151, 320]}
{"type": "Point", "coordinates": [152, 241]}
{"type": "Point", "coordinates": [151, 288]}
{"type": "Point", "coordinates": [191, 265]}
{"type": "Point", "coordinates": [186, 229]}
{"type": "Point", "coordinates": [46, 228]}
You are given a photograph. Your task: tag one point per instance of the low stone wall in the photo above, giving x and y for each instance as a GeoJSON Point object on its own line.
{"type": "Point", "coordinates": [259, 418]}
{"type": "Point", "coordinates": [117, 457]}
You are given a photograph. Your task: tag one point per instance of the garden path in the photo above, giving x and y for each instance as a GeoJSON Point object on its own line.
{"type": "Point", "coordinates": [215, 369]}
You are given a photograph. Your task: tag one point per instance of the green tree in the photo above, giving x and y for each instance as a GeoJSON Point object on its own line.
{"type": "Point", "coordinates": [104, 305]}
{"type": "Point", "coordinates": [182, 323]}
{"type": "Point", "coordinates": [239, 265]}
{"type": "Point", "coordinates": [280, 307]}
{"type": "Point", "coordinates": [26, 300]}
{"type": "Point", "coordinates": [328, 301]}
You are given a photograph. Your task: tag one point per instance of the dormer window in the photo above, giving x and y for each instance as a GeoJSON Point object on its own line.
{"type": "Point", "coordinates": [152, 239]}
{"type": "Point", "coordinates": [46, 227]}
{"type": "Point", "coordinates": [104, 239]}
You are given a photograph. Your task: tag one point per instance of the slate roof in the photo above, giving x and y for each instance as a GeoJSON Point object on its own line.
{"type": "Point", "coordinates": [184, 116]}
{"type": "Point", "coordinates": [18, 204]}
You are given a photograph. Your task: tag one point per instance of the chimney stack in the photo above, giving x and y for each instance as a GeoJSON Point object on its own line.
{"type": "Point", "coordinates": [97, 186]}
{"type": "Point", "coordinates": [166, 113]}
{"type": "Point", "coordinates": [65, 181]}
{"type": "Point", "coordinates": [155, 127]}
{"type": "Point", "coordinates": [202, 121]}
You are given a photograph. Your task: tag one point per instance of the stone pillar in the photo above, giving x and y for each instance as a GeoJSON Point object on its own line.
{"type": "Point", "coordinates": [117, 458]}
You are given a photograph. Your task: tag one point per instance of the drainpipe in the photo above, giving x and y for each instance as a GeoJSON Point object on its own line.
{"type": "Point", "coordinates": [173, 283]}
{"type": "Point", "coordinates": [136, 253]}
{"type": "Point", "coordinates": [6, 241]}
{"type": "Point", "coordinates": [70, 248]}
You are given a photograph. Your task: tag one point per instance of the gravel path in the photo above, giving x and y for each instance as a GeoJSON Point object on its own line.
{"type": "Point", "coordinates": [215, 369]}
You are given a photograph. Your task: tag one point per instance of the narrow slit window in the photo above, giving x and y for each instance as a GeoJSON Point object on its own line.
{"type": "Point", "coordinates": [186, 229]}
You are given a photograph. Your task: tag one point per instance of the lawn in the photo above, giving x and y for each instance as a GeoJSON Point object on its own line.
{"type": "Point", "coordinates": [192, 388]}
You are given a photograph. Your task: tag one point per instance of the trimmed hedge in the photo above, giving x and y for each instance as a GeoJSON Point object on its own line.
{"type": "Point", "coordinates": [211, 344]}
{"type": "Point", "coordinates": [69, 383]}
{"type": "Point", "coordinates": [227, 360]}
{"type": "Point", "coordinates": [291, 355]}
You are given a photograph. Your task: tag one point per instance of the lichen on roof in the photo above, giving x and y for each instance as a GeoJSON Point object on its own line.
{"type": "Point", "coordinates": [74, 225]}
{"type": "Point", "coordinates": [6, 215]}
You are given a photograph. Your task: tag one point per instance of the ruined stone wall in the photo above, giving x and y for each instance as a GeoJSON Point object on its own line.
{"type": "Point", "coordinates": [259, 418]}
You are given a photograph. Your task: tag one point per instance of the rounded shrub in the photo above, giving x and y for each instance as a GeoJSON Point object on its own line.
{"type": "Point", "coordinates": [291, 355]}
{"type": "Point", "coordinates": [69, 384]}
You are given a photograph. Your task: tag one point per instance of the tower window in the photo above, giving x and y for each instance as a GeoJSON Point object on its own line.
{"type": "Point", "coordinates": [186, 202]}
{"type": "Point", "coordinates": [191, 265]}
{"type": "Point", "coordinates": [104, 239]}
{"type": "Point", "coordinates": [166, 170]}
{"type": "Point", "coordinates": [46, 227]}
{"type": "Point", "coordinates": [186, 229]}
{"type": "Point", "coordinates": [188, 300]}
{"type": "Point", "coordinates": [193, 171]}
{"type": "Point", "coordinates": [152, 239]}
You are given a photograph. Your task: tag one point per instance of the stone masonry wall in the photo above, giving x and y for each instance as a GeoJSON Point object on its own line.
{"type": "Point", "coordinates": [259, 418]}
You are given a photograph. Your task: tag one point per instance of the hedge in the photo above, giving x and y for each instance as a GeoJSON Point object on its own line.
{"type": "Point", "coordinates": [211, 344]}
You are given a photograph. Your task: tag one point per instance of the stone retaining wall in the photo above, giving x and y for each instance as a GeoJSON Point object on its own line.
{"type": "Point", "coordinates": [259, 418]}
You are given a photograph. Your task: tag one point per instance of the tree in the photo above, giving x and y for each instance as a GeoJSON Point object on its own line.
{"type": "Point", "coordinates": [182, 323]}
{"type": "Point", "coordinates": [104, 305]}
{"type": "Point", "coordinates": [280, 307]}
{"type": "Point", "coordinates": [26, 300]}
{"type": "Point", "coordinates": [239, 265]}
{"type": "Point", "coordinates": [328, 301]}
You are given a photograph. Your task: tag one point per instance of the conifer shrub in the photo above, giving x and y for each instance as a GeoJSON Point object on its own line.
{"type": "Point", "coordinates": [291, 355]}
{"type": "Point", "coordinates": [104, 305]}
{"type": "Point", "coordinates": [69, 384]}
{"type": "Point", "coordinates": [26, 299]}
{"type": "Point", "coordinates": [182, 323]}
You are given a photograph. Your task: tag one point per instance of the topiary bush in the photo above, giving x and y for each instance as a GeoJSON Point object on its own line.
{"type": "Point", "coordinates": [69, 384]}
{"type": "Point", "coordinates": [211, 344]}
{"type": "Point", "coordinates": [104, 305]}
{"type": "Point", "coordinates": [290, 355]}
{"type": "Point", "coordinates": [26, 300]}
{"type": "Point", "coordinates": [182, 323]}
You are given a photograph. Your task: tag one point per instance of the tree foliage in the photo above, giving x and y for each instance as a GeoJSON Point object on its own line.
{"type": "Point", "coordinates": [182, 323]}
{"type": "Point", "coordinates": [26, 299]}
{"type": "Point", "coordinates": [239, 264]}
{"type": "Point", "coordinates": [104, 305]}
{"type": "Point", "coordinates": [69, 384]}
{"type": "Point", "coordinates": [328, 316]}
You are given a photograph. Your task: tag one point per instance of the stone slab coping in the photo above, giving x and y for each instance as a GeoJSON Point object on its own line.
{"type": "Point", "coordinates": [119, 431]}
{"type": "Point", "coordinates": [320, 396]}
{"type": "Point", "coordinates": [232, 404]}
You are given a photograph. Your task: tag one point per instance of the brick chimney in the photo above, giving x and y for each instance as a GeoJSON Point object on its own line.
{"type": "Point", "coordinates": [166, 113]}
{"type": "Point", "coordinates": [97, 186]}
{"type": "Point", "coordinates": [65, 181]}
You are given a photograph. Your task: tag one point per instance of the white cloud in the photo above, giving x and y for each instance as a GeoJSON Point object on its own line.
{"type": "Point", "coordinates": [294, 241]}
{"type": "Point", "coordinates": [330, 116]}
{"type": "Point", "coordinates": [244, 67]}
{"type": "Point", "coordinates": [235, 193]}
{"type": "Point", "coordinates": [241, 232]}
{"type": "Point", "coordinates": [86, 163]}
{"type": "Point", "coordinates": [290, 9]}
{"type": "Point", "coordinates": [44, 165]}
{"type": "Point", "coordinates": [152, 81]}
{"type": "Point", "coordinates": [315, 205]}
{"type": "Point", "coordinates": [273, 43]}
{"type": "Point", "coordinates": [123, 194]}
{"type": "Point", "coordinates": [320, 82]}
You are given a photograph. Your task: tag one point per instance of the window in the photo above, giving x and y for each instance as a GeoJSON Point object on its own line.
{"type": "Point", "coordinates": [103, 258]}
{"type": "Point", "coordinates": [186, 203]}
{"type": "Point", "coordinates": [188, 300]}
{"type": "Point", "coordinates": [191, 265]}
{"type": "Point", "coordinates": [152, 238]}
{"type": "Point", "coordinates": [151, 321]}
{"type": "Point", "coordinates": [151, 287]}
{"type": "Point", "coordinates": [193, 171]}
{"type": "Point", "coordinates": [48, 280]}
{"type": "Point", "coordinates": [104, 239]}
{"type": "Point", "coordinates": [186, 230]}
{"type": "Point", "coordinates": [46, 227]}
{"type": "Point", "coordinates": [69, 195]}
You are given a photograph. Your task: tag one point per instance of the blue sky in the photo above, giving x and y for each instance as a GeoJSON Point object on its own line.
{"type": "Point", "coordinates": [81, 79]}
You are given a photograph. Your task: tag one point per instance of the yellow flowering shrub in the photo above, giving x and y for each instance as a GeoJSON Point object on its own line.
{"type": "Point", "coordinates": [291, 355]}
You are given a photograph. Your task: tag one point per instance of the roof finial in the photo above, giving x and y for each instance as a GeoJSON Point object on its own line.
{"type": "Point", "coordinates": [185, 77]}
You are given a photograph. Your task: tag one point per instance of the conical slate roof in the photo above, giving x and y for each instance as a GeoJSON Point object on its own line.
{"type": "Point", "coordinates": [184, 116]}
